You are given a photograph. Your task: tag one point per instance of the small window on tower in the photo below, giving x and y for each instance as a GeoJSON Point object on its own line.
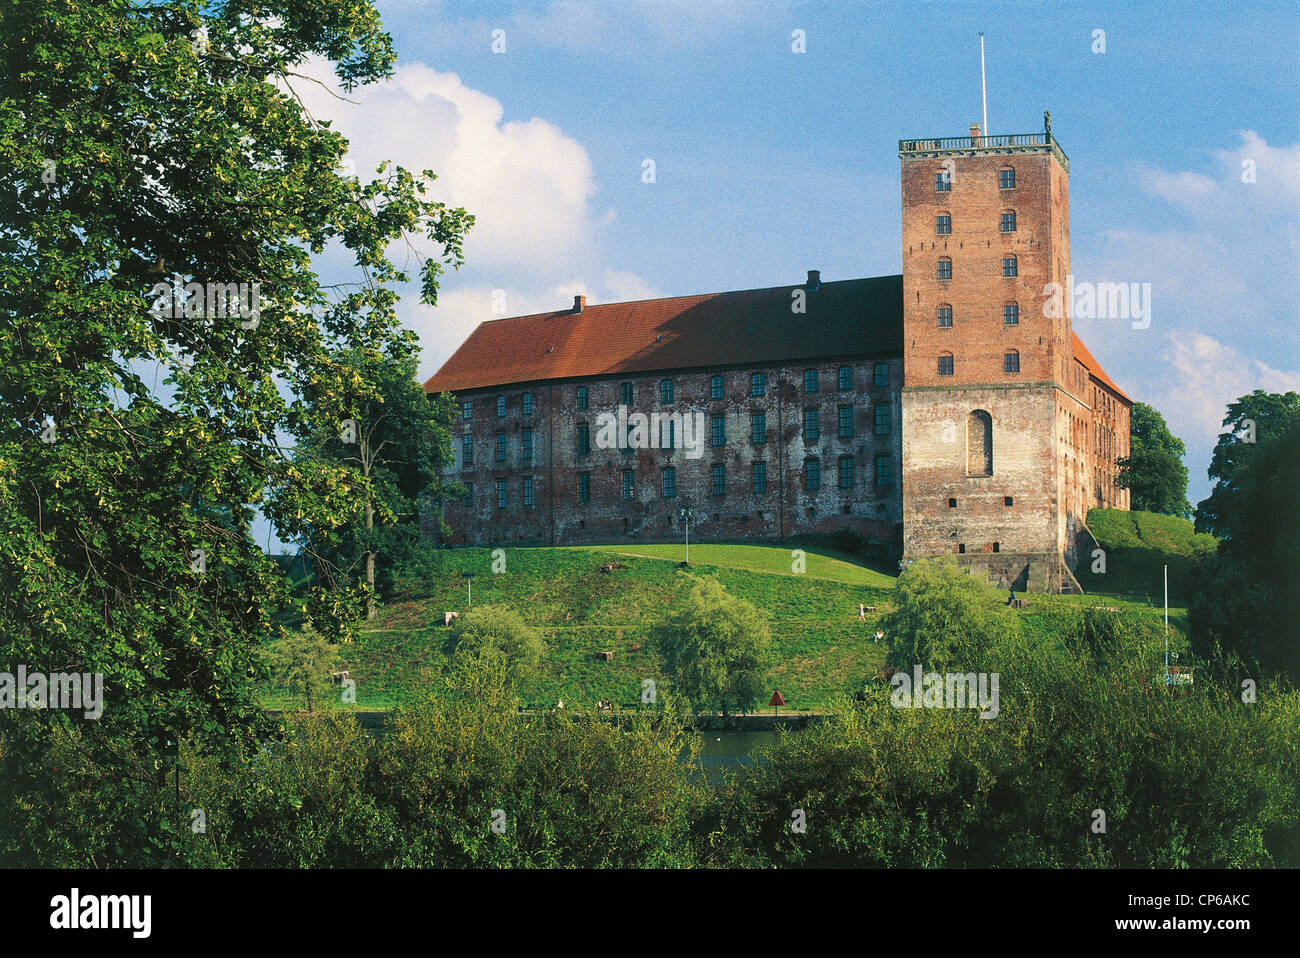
{"type": "Point", "coordinates": [945, 364]}
{"type": "Point", "coordinates": [943, 181]}
{"type": "Point", "coordinates": [1007, 178]}
{"type": "Point", "coordinates": [944, 269]}
{"type": "Point", "coordinates": [1011, 314]}
{"type": "Point", "coordinates": [1011, 362]}
{"type": "Point", "coordinates": [952, 503]}
{"type": "Point", "coordinates": [943, 224]}
{"type": "Point", "coordinates": [1008, 501]}
{"type": "Point", "coordinates": [945, 315]}
{"type": "Point", "coordinates": [1009, 221]}
{"type": "Point", "coordinates": [1009, 266]}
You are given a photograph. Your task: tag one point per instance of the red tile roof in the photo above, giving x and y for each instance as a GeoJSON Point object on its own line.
{"type": "Point", "coordinates": [848, 318]}
{"type": "Point", "coordinates": [1094, 368]}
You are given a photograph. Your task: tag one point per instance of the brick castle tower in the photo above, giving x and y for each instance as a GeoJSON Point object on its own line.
{"type": "Point", "coordinates": [995, 403]}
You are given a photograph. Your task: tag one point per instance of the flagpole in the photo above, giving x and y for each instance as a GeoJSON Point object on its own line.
{"type": "Point", "coordinates": [984, 90]}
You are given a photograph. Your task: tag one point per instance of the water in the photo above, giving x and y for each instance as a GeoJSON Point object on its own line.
{"type": "Point", "coordinates": [726, 750]}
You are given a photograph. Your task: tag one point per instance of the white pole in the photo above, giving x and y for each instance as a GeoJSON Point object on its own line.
{"type": "Point", "coordinates": [688, 538]}
{"type": "Point", "coordinates": [1166, 625]}
{"type": "Point", "coordinates": [984, 91]}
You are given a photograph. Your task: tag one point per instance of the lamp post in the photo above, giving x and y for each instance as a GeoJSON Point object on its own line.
{"type": "Point", "coordinates": [469, 582]}
{"type": "Point", "coordinates": [686, 515]}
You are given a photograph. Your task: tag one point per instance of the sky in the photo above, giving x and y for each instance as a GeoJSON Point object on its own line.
{"type": "Point", "coordinates": [1181, 121]}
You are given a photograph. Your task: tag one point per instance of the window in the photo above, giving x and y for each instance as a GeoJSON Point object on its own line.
{"type": "Point", "coordinates": [961, 548]}
{"type": "Point", "coordinates": [527, 437]}
{"type": "Point", "coordinates": [945, 364]}
{"type": "Point", "coordinates": [501, 447]}
{"type": "Point", "coordinates": [625, 393]}
{"type": "Point", "coordinates": [846, 472]}
{"type": "Point", "coordinates": [810, 380]}
{"type": "Point", "coordinates": [760, 478]}
{"type": "Point", "coordinates": [715, 387]}
{"type": "Point", "coordinates": [845, 378]}
{"type": "Point", "coordinates": [670, 482]}
{"type": "Point", "coordinates": [501, 493]}
{"type": "Point", "coordinates": [527, 403]}
{"type": "Point", "coordinates": [812, 430]}
{"type": "Point", "coordinates": [1011, 314]}
{"type": "Point", "coordinates": [1011, 362]}
{"type": "Point", "coordinates": [812, 474]}
{"type": "Point", "coordinates": [665, 390]}
{"type": "Point", "coordinates": [719, 429]}
{"type": "Point", "coordinates": [952, 503]}
{"type": "Point", "coordinates": [466, 451]}
{"type": "Point", "coordinates": [584, 438]}
{"type": "Point", "coordinates": [469, 494]}
{"type": "Point", "coordinates": [881, 374]}
{"type": "Point", "coordinates": [943, 224]}
{"type": "Point", "coordinates": [979, 444]}
{"type": "Point", "coordinates": [582, 397]}
{"type": "Point", "coordinates": [584, 487]}
{"type": "Point", "coordinates": [629, 484]}
{"type": "Point", "coordinates": [1007, 179]}
{"type": "Point", "coordinates": [945, 315]}
{"type": "Point", "coordinates": [944, 269]}
{"type": "Point", "coordinates": [757, 384]}
{"type": "Point", "coordinates": [758, 428]}
{"type": "Point", "coordinates": [719, 479]}
{"type": "Point", "coordinates": [1009, 266]}
{"type": "Point", "coordinates": [1008, 501]}
{"type": "Point", "coordinates": [528, 492]}
{"type": "Point", "coordinates": [943, 182]}
{"type": "Point", "coordinates": [845, 422]}
{"type": "Point", "coordinates": [997, 547]}
{"type": "Point", "coordinates": [1009, 221]}
{"type": "Point", "coordinates": [884, 471]}
{"type": "Point", "coordinates": [501, 407]}
{"type": "Point", "coordinates": [467, 409]}
{"type": "Point", "coordinates": [882, 419]}
{"type": "Point", "coordinates": [672, 434]}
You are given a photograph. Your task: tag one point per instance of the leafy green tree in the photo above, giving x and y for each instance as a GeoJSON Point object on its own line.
{"type": "Point", "coordinates": [395, 444]}
{"type": "Point", "coordinates": [152, 157]}
{"type": "Point", "coordinates": [944, 618]}
{"type": "Point", "coordinates": [1153, 472]}
{"type": "Point", "coordinates": [303, 662]}
{"type": "Point", "coordinates": [499, 632]}
{"type": "Point", "coordinates": [715, 648]}
{"type": "Point", "coordinates": [1244, 602]}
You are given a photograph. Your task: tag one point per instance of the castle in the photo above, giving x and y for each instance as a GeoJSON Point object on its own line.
{"type": "Point", "coordinates": [943, 411]}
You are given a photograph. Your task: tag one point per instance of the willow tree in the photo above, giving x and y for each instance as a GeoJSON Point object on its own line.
{"type": "Point", "coordinates": [162, 193]}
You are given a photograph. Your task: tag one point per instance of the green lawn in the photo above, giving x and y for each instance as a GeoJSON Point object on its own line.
{"type": "Point", "coordinates": [821, 647]}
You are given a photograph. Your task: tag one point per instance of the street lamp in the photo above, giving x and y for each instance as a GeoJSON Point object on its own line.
{"type": "Point", "coordinates": [469, 581]}
{"type": "Point", "coordinates": [686, 515]}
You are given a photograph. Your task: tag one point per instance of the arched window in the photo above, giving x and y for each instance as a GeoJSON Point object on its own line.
{"type": "Point", "coordinates": [945, 364]}
{"type": "Point", "coordinates": [944, 268]}
{"type": "Point", "coordinates": [1009, 265]}
{"type": "Point", "coordinates": [1008, 221]}
{"type": "Point", "coordinates": [945, 315]}
{"type": "Point", "coordinates": [1007, 178]}
{"type": "Point", "coordinates": [943, 223]}
{"type": "Point", "coordinates": [1011, 361]}
{"type": "Point", "coordinates": [979, 444]}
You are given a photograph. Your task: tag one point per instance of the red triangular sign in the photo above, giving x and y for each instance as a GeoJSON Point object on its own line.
{"type": "Point", "coordinates": [777, 699]}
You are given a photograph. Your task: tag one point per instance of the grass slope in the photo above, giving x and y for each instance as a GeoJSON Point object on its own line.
{"type": "Point", "coordinates": [1137, 546]}
{"type": "Point", "coordinates": [821, 647]}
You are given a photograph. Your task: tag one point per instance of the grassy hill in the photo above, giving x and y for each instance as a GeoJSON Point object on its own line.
{"type": "Point", "coordinates": [591, 599]}
{"type": "Point", "coordinates": [1137, 546]}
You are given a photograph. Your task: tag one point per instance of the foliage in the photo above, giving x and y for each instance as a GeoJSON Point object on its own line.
{"type": "Point", "coordinates": [943, 618]}
{"type": "Point", "coordinates": [497, 631]}
{"type": "Point", "coordinates": [302, 663]}
{"type": "Point", "coordinates": [715, 648]}
{"type": "Point", "coordinates": [1153, 472]}
{"type": "Point", "coordinates": [145, 165]}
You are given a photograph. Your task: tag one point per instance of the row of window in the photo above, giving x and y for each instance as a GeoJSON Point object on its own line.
{"type": "Point", "coordinates": [812, 480]}
{"type": "Point", "coordinates": [1010, 362]}
{"type": "Point", "coordinates": [943, 222]}
{"type": "Point", "coordinates": [1010, 314]}
{"type": "Point", "coordinates": [943, 179]}
{"type": "Point", "coordinates": [943, 268]}
{"type": "Point", "coordinates": [667, 389]}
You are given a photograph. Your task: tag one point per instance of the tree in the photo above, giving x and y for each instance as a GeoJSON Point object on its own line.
{"type": "Point", "coordinates": [498, 632]}
{"type": "Point", "coordinates": [162, 194]}
{"type": "Point", "coordinates": [944, 618]}
{"type": "Point", "coordinates": [1244, 602]}
{"type": "Point", "coordinates": [715, 648]}
{"type": "Point", "coordinates": [303, 663]}
{"type": "Point", "coordinates": [1153, 472]}
{"type": "Point", "coordinates": [395, 443]}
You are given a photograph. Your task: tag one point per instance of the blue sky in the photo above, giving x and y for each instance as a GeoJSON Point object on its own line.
{"type": "Point", "coordinates": [770, 162]}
